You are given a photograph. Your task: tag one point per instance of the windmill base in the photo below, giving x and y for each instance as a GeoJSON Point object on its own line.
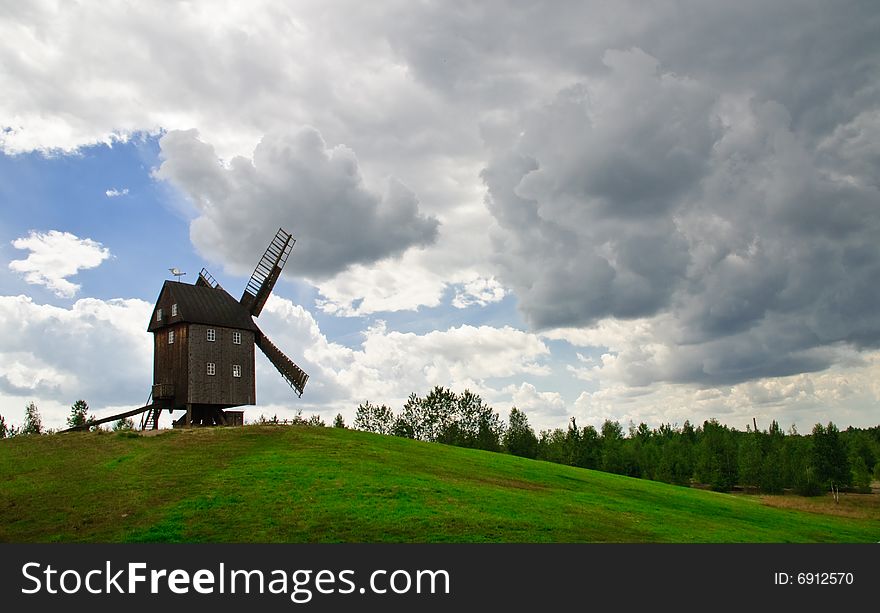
{"type": "Point", "coordinates": [208, 415]}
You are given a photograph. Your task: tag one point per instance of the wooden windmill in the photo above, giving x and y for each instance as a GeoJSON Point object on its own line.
{"type": "Point", "coordinates": [204, 345]}
{"type": "Point", "coordinates": [203, 339]}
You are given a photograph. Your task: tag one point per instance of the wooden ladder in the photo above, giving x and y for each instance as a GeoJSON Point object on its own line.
{"type": "Point", "coordinates": [151, 420]}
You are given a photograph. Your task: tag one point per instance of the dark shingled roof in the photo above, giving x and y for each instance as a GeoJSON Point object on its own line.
{"type": "Point", "coordinates": [198, 304]}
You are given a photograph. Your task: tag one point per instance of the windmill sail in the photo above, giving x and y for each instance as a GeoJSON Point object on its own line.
{"type": "Point", "coordinates": [206, 279]}
{"type": "Point", "coordinates": [266, 273]}
{"type": "Point", "coordinates": [293, 374]}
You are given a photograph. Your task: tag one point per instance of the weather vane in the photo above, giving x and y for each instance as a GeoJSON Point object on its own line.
{"type": "Point", "coordinates": [176, 272]}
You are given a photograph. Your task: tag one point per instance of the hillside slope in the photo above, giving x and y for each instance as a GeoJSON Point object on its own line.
{"type": "Point", "coordinates": [300, 484]}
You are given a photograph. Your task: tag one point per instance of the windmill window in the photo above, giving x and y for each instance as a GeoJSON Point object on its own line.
{"type": "Point", "coordinates": [174, 310]}
{"type": "Point", "coordinates": [212, 368]}
{"type": "Point", "coordinates": [236, 338]}
{"type": "Point", "coordinates": [236, 370]}
{"type": "Point", "coordinates": [170, 337]}
{"type": "Point", "coordinates": [158, 314]}
{"type": "Point", "coordinates": [212, 335]}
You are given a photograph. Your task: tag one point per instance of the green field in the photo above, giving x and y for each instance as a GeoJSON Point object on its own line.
{"type": "Point", "coordinates": [302, 484]}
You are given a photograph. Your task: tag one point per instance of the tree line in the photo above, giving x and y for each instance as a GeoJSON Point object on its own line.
{"type": "Point", "coordinates": [711, 454]}
{"type": "Point", "coordinates": [33, 422]}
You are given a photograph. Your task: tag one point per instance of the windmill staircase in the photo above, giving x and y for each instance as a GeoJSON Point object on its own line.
{"type": "Point", "coordinates": [150, 417]}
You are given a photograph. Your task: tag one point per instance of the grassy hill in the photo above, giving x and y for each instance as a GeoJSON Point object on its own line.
{"type": "Point", "coordinates": [299, 484]}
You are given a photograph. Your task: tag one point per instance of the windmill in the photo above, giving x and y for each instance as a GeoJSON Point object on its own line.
{"type": "Point", "coordinates": [212, 367]}
{"type": "Point", "coordinates": [204, 339]}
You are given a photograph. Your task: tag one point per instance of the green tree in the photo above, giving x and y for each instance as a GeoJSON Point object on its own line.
{"type": "Point", "coordinates": [519, 438]}
{"type": "Point", "coordinates": [773, 478]}
{"type": "Point", "coordinates": [33, 423]}
{"type": "Point", "coordinates": [315, 421]}
{"type": "Point", "coordinates": [675, 463]}
{"type": "Point", "coordinates": [438, 411]}
{"type": "Point", "coordinates": [861, 476]}
{"type": "Point", "coordinates": [3, 429]}
{"type": "Point", "coordinates": [751, 458]}
{"type": "Point", "coordinates": [78, 414]}
{"type": "Point", "coordinates": [123, 424]}
{"type": "Point", "coordinates": [470, 423]}
{"type": "Point", "coordinates": [716, 456]}
{"type": "Point", "coordinates": [553, 447]}
{"type": "Point", "coordinates": [800, 471]}
{"type": "Point", "coordinates": [409, 424]}
{"type": "Point", "coordinates": [829, 458]}
{"type": "Point", "coordinates": [338, 422]}
{"type": "Point", "coordinates": [372, 418]}
{"type": "Point", "coordinates": [588, 451]}
{"type": "Point", "coordinates": [861, 446]}
{"type": "Point", "coordinates": [490, 430]}
{"type": "Point", "coordinates": [572, 442]}
{"type": "Point", "coordinates": [643, 452]}
{"type": "Point", "coordinates": [612, 447]}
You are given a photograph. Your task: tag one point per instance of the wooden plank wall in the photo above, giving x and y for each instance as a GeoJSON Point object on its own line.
{"type": "Point", "coordinates": [221, 388]}
{"type": "Point", "coordinates": [171, 362]}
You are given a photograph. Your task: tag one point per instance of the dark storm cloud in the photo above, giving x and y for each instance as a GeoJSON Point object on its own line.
{"type": "Point", "coordinates": [711, 184]}
{"type": "Point", "coordinates": [294, 181]}
{"type": "Point", "coordinates": [585, 205]}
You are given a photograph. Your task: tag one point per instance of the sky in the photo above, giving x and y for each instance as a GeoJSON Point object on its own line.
{"type": "Point", "coordinates": [643, 212]}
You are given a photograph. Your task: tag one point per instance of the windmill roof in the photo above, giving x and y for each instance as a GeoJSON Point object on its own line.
{"type": "Point", "coordinates": [201, 304]}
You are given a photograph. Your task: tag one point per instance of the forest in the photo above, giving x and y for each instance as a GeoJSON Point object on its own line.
{"type": "Point", "coordinates": [710, 455]}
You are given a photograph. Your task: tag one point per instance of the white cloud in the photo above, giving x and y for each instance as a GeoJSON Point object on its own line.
{"type": "Point", "coordinates": [390, 365]}
{"type": "Point", "coordinates": [540, 406]}
{"type": "Point", "coordinates": [843, 394]}
{"type": "Point", "coordinates": [54, 256]}
{"type": "Point", "coordinates": [95, 350]}
{"type": "Point", "coordinates": [478, 291]}
{"type": "Point", "coordinates": [115, 193]}
{"type": "Point", "coordinates": [390, 285]}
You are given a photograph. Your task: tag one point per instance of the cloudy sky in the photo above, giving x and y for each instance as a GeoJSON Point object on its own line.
{"type": "Point", "coordinates": [637, 211]}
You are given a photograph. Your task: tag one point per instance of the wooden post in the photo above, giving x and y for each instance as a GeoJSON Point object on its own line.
{"type": "Point", "coordinates": [189, 414]}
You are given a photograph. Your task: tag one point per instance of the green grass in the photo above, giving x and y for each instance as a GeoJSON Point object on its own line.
{"type": "Point", "coordinates": [299, 484]}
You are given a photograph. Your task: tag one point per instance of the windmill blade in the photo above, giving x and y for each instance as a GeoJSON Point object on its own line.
{"type": "Point", "coordinates": [293, 374]}
{"type": "Point", "coordinates": [266, 273]}
{"type": "Point", "coordinates": [206, 280]}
